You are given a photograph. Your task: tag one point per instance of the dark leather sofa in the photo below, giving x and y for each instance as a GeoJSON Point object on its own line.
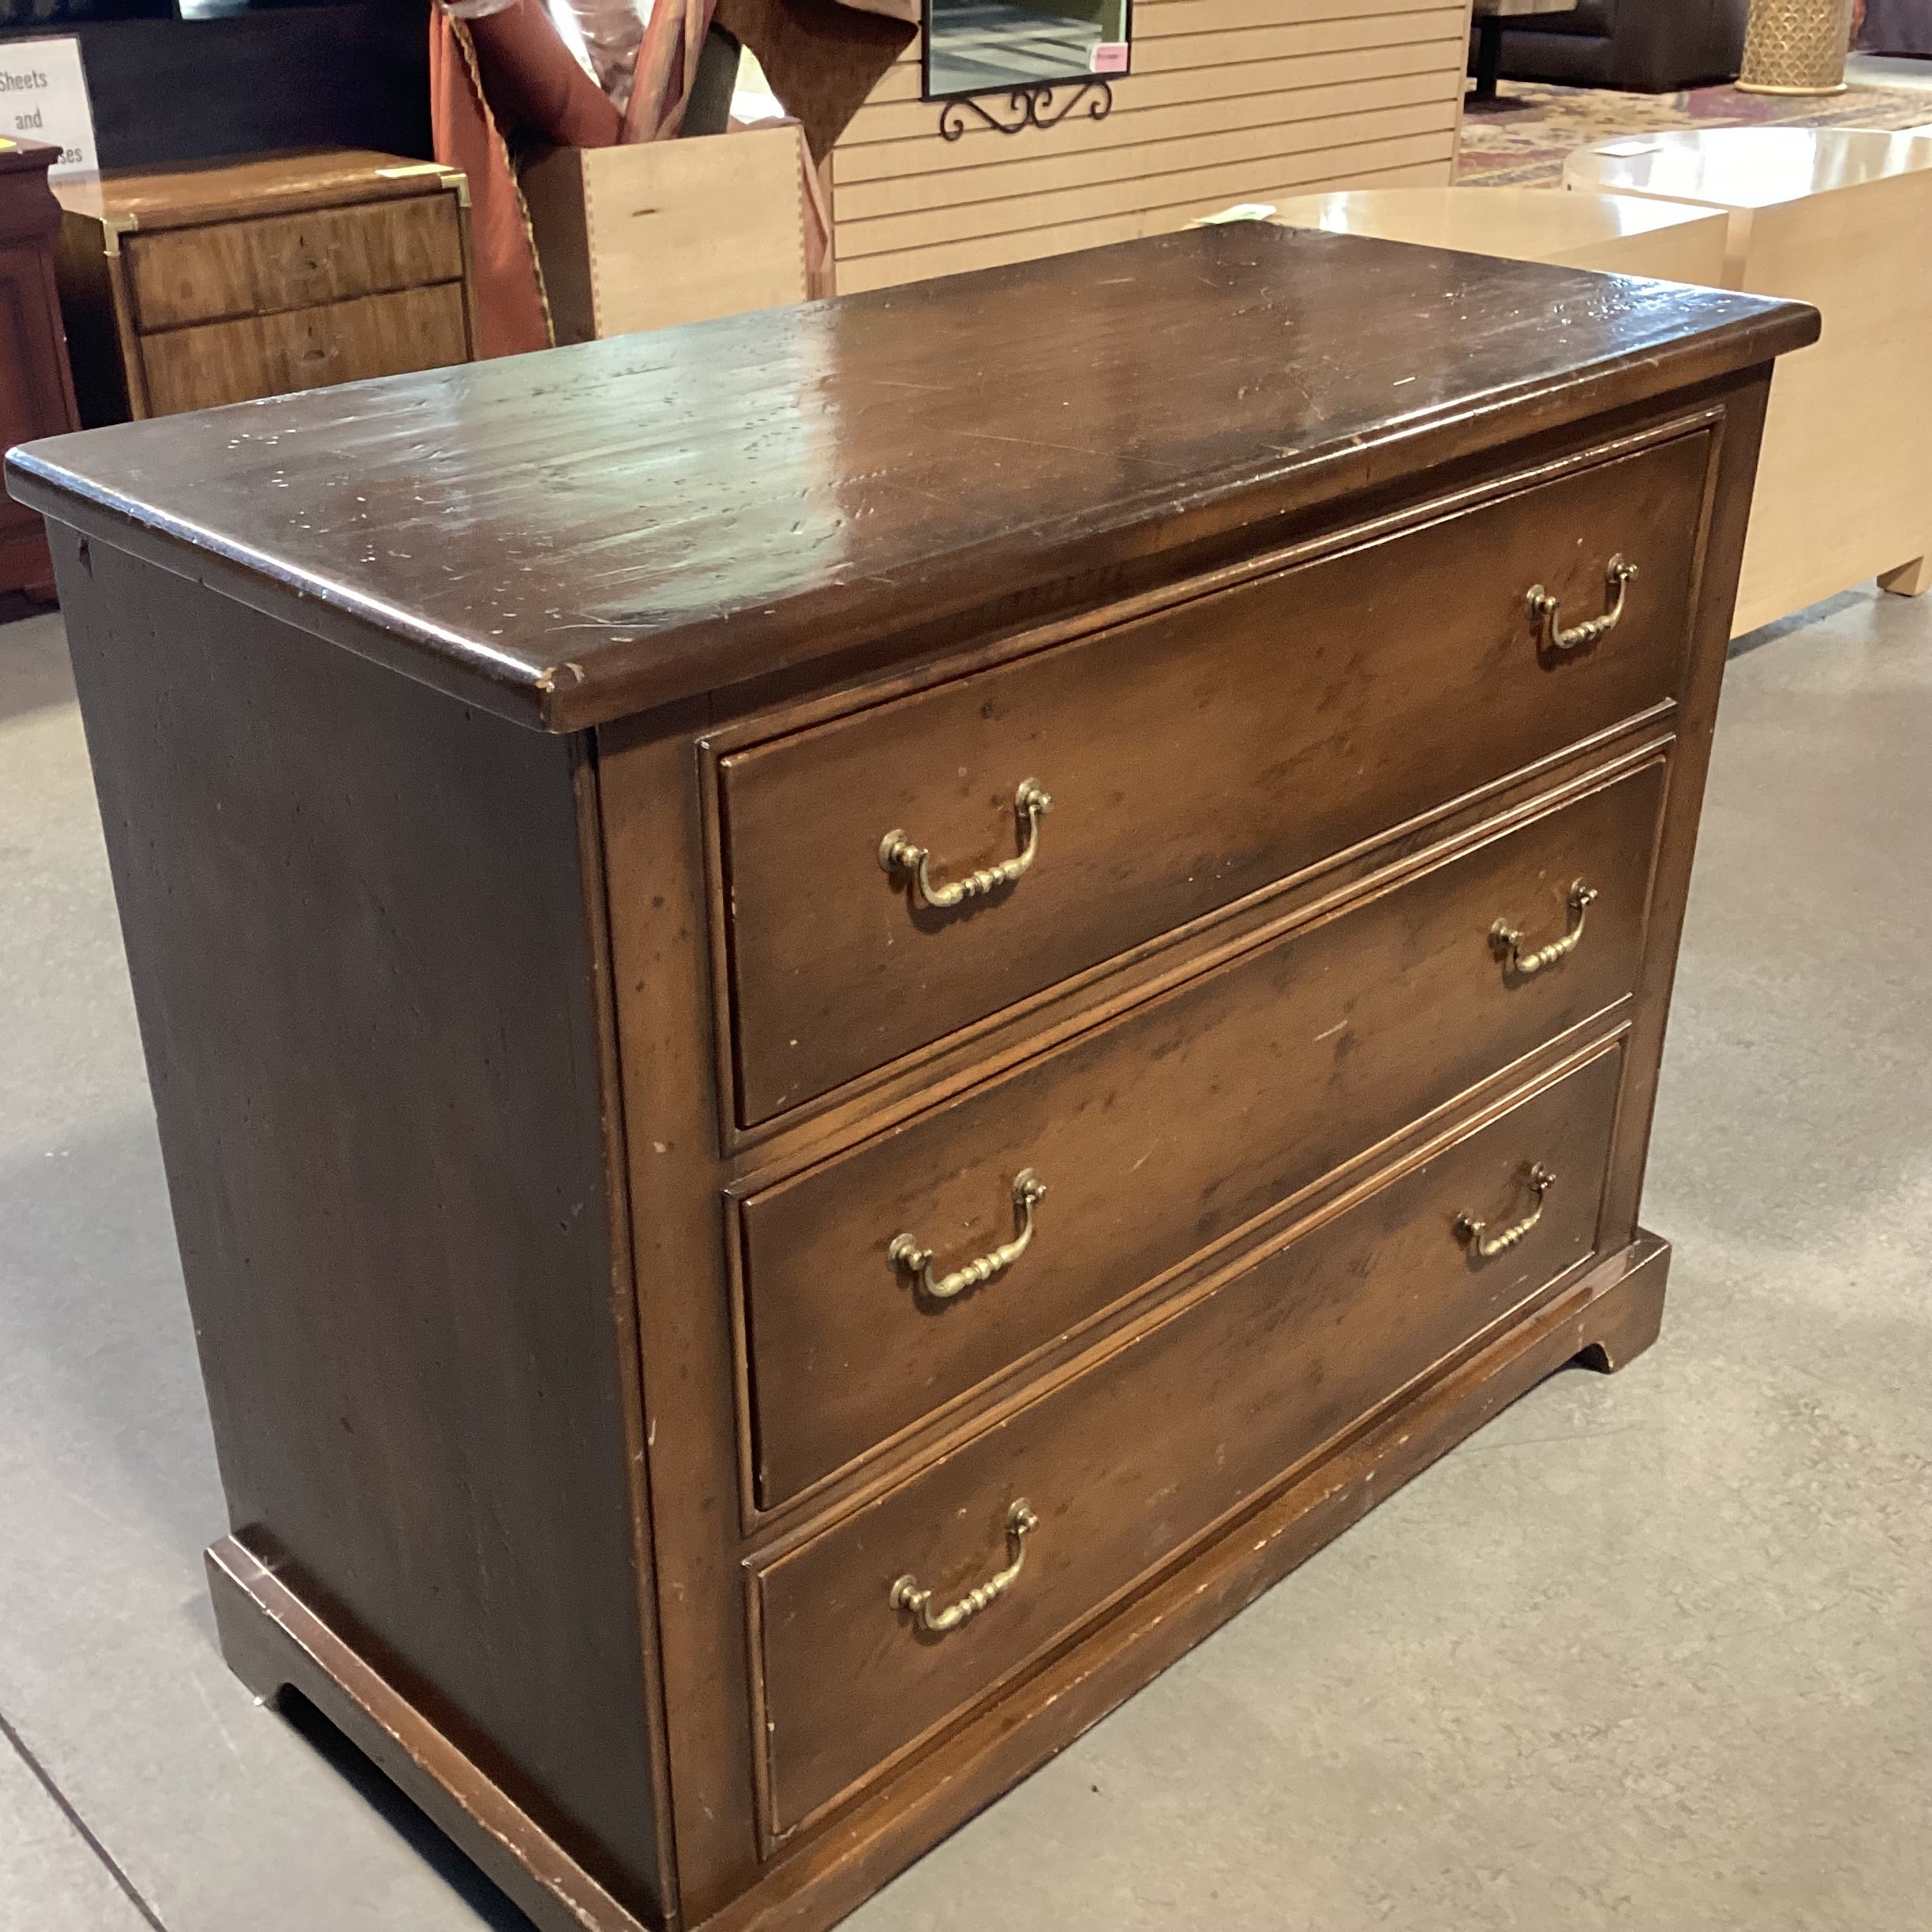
{"type": "Point", "coordinates": [1647, 46]}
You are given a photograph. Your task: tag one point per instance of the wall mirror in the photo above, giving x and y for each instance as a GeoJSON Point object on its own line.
{"type": "Point", "coordinates": [1022, 47]}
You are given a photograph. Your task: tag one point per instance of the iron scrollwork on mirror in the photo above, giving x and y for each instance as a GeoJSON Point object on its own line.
{"type": "Point", "coordinates": [1017, 64]}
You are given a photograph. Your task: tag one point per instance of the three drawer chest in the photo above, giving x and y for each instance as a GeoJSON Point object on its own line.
{"type": "Point", "coordinates": [856, 1013]}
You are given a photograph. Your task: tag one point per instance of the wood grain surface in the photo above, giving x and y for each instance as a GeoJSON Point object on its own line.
{"type": "Point", "coordinates": [1169, 1131]}
{"type": "Point", "coordinates": [1185, 1421]}
{"type": "Point", "coordinates": [259, 267]}
{"type": "Point", "coordinates": [371, 1159]}
{"type": "Point", "coordinates": [295, 349]}
{"type": "Point", "coordinates": [153, 199]}
{"type": "Point", "coordinates": [1191, 757]}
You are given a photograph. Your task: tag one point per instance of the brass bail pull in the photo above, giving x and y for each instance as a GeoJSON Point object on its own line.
{"type": "Point", "coordinates": [906, 1595]}
{"type": "Point", "coordinates": [1508, 942]}
{"type": "Point", "coordinates": [1544, 609]}
{"type": "Point", "coordinates": [907, 1255]}
{"type": "Point", "coordinates": [1488, 1246]}
{"type": "Point", "coordinates": [899, 856]}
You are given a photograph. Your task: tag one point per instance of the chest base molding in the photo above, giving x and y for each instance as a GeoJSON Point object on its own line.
{"type": "Point", "coordinates": [275, 1641]}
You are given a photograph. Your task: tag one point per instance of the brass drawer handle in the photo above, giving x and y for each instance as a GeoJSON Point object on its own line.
{"type": "Point", "coordinates": [1543, 608]}
{"type": "Point", "coordinates": [898, 854]}
{"type": "Point", "coordinates": [1028, 1191]}
{"type": "Point", "coordinates": [906, 1595]}
{"type": "Point", "coordinates": [1488, 1246]}
{"type": "Point", "coordinates": [1508, 941]}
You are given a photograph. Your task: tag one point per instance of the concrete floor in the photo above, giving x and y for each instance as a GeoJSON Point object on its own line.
{"type": "Point", "coordinates": [1652, 1653]}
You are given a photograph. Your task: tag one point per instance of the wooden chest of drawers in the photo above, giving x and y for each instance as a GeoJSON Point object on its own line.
{"type": "Point", "coordinates": [231, 280]}
{"type": "Point", "coordinates": [856, 1013]}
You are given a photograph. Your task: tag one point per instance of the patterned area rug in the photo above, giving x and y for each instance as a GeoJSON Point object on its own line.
{"type": "Point", "coordinates": [1521, 142]}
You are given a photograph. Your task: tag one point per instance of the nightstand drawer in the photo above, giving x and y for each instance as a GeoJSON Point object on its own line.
{"type": "Point", "coordinates": [304, 349]}
{"type": "Point", "coordinates": [228, 268]}
{"type": "Point", "coordinates": [1190, 758]}
{"type": "Point", "coordinates": [1058, 1510]}
{"type": "Point", "coordinates": [1167, 1131]}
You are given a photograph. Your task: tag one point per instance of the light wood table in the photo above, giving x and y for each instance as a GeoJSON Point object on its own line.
{"type": "Point", "coordinates": [1618, 234]}
{"type": "Point", "coordinates": [1837, 217]}
{"type": "Point", "coordinates": [1489, 15]}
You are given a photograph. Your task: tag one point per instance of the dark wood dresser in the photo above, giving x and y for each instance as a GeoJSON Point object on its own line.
{"type": "Point", "coordinates": [856, 1013]}
{"type": "Point", "coordinates": [224, 281]}
{"type": "Point", "coordinates": [36, 393]}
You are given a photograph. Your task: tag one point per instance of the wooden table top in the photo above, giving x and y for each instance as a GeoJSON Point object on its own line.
{"type": "Point", "coordinates": [1746, 167]}
{"type": "Point", "coordinates": [1531, 224]}
{"type": "Point", "coordinates": [569, 537]}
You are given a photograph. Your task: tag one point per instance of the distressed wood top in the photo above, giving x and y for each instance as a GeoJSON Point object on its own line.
{"type": "Point", "coordinates": [571, 536]}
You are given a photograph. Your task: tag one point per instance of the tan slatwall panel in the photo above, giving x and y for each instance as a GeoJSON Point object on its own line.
{"type": "Point", "coordinates": [1229, 100]}
{"type": "Point", "coordinates": [1374, 86]}
{"type": "Point", "coordinates": [871, 271]}
{"type": "Point", "coordinates": [1255, 60]}
{"type": "Point", "coordinates": [1226, 170]}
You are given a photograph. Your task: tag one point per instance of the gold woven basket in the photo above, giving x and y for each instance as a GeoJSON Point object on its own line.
{"type": "Point", "coordinates": [1796, 47]}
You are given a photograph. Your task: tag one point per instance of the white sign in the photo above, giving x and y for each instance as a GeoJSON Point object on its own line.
{"type": "Point", "coordinates": [43, 97]}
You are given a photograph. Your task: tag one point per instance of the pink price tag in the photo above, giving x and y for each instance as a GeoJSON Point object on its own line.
{"type": "Point", "coordinates": [1109, 56]}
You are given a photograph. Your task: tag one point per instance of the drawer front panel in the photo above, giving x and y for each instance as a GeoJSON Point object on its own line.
{"type": "Point", "coordinates": [291, 261]}
{"type": "Point", "coordinates": [1191, 758]}
{"type": "Point", "coordinates": [1125, 1466]}
{"type": "Point", "coordinates": [1169, 1130]}
{"type": "Point", "coordinates": [306, 349]}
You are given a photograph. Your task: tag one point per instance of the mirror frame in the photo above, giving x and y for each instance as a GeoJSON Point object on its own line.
{"type": "Point", "coordinates": [1036, 111]}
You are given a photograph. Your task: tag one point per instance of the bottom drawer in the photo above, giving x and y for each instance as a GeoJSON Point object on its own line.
{"type": "Point", "coordinates": [418, 328]}
{"type": "Point", "coordinates": [1123, 1465]}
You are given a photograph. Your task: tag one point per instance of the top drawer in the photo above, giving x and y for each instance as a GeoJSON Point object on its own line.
{"type": "Point", "coordinates": [1191, 758]}
{"type": "Point", "coordinates": [292, 261]}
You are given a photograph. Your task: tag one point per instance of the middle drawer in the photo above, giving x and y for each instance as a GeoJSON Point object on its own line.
{"type": "Point", "coordinates": [1165, 1131]}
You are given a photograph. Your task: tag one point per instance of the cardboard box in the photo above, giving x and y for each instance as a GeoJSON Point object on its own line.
{"type": "Point", "coordinates": [657, 233]}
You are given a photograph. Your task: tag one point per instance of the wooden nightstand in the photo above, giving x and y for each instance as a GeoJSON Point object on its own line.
{"type": "Point", "coordinates": [223, 283]}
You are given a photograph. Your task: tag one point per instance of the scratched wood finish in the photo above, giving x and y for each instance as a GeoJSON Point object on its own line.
{"type": "Point", "coordinates": [1191, 758]}
{"type": "Point", "coordinates": [880, 477]}
{"type": "Point", "coordinates": [1169, 1130]}
{"type": "Point", "coordinates": [459, 1175]}
{"type": "Point", "coordinates": [293, 261]}
{"type": "Point", "coordinates": [1181, 1424]}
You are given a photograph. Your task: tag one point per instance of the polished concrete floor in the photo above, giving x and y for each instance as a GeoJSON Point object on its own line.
{"type": "Point", "coordinates": [1652, 1653]}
